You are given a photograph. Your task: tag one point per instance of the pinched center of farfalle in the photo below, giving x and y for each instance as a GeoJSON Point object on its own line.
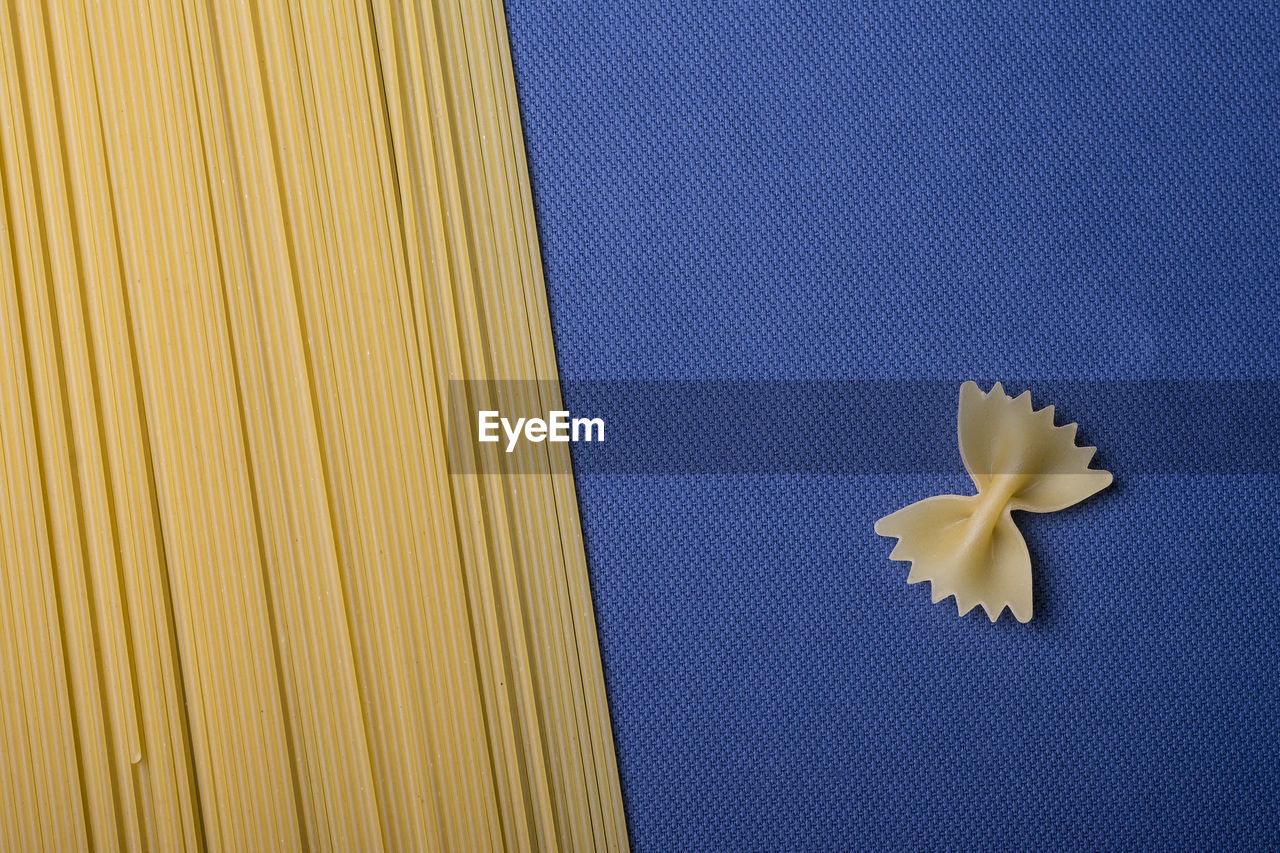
{"type": "Point", "coordinates": [968, 545]}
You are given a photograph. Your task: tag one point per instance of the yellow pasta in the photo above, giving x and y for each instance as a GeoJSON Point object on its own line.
{"type": "Point", "coordinates": [248, 249]}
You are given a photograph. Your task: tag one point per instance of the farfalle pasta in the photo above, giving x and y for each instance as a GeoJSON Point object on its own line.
{"type": "Point", "coordinates": [968, 545]}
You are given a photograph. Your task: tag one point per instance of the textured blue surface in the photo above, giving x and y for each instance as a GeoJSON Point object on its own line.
{"type": "Point", "coordinates": [847, 191]}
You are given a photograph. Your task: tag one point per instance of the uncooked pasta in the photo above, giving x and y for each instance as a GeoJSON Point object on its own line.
{"type": "Point", "coordinates": [248, 604]}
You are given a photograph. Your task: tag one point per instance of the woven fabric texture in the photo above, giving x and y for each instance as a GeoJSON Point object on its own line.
{"type": "Point", "coordinates": [850, 191]}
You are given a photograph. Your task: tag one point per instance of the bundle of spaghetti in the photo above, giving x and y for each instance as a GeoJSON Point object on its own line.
{"type": "Point", "coordinates": [91, 553]}
{"type": "Point", "coordinates": [486, 295]}
{"type": "Point", "coordinates": [247, 248]}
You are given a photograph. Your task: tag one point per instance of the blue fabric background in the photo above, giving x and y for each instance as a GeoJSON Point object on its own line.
{"type": "Point", "coordinates": [849, 191]}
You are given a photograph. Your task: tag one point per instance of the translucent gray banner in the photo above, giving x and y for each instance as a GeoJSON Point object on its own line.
{"type": "Point", "coordinates": [853, 427]}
